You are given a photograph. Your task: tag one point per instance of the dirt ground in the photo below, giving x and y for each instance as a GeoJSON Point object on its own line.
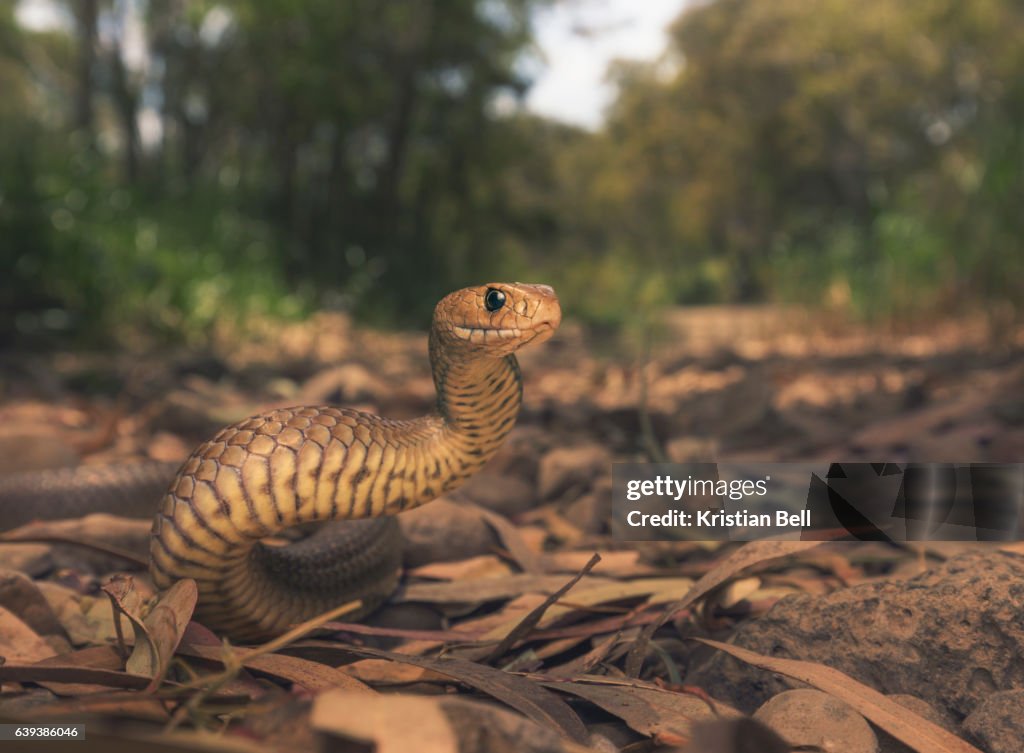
{"type": "Point", "coordinates": [504, 634]}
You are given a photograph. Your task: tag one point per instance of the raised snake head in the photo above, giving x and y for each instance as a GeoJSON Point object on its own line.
{"type": "Point", "coordinates": [497, 318]}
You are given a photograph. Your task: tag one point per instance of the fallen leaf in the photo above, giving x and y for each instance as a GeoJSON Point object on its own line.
{"type": "Point", "coordinates": [20, 595]}
{"type": "Point", "coordinates": [524, 695]}
{"type": "Point", "coordinates": [101, 533]}
{"type": "Point", "coordinates": [482, 566]}
{"type": "Point", "coordinates": [392, 724]}
{"type": "Point", "coordinates": [158, 633]}
{"type": "Point", "coordinates": [747, 556]}
{"type": "Point", "coordinates": [903, 724]}
{"type": "Point", "coordinates": [472, 630]}
{"type": "Point", "coordinates": [129, 705]}
{"type": "Point", "coordinates": [533, 617]}
{"type": "Point", "coordinates": [71, 673]}
{"type": "Point", "coordinates": [483, 589]}
{"type": "Point", "coordinates": [67, 606]}
{"type": "Point", "coordinates": [585, 662]}
{"type": "Point", "coordinates": [665, 715]}
{"type": "Point", "coordinates": [18, 642]}
{"type": "Point", "coordinates": [625, 564]}
{"type": "Point", "coordinates": [97, 657]}
{"type": "Point", "coordinates": [383, 672]}
{"type": "Point", "coordinates": [594, 594]}
{"type": "Point", "coordinates": [311, 675]}
{"type": "Point", "coordinates": [527, 558]}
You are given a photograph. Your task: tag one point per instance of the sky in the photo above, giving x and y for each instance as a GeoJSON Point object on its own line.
{"type": "Point", "coordinates": [577, 38]}
{"type": "Point", "coordinates": [572, 86]}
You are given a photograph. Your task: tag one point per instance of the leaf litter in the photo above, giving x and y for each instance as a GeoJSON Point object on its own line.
{"type": "Point", "coordinates": [528, 645]}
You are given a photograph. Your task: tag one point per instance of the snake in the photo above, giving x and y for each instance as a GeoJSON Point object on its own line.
{"type": "Point", "coordinates": [220, 519]}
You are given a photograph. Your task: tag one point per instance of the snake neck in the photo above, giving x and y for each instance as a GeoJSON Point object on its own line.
{"type": "Point", "coordinates": [478, 399]}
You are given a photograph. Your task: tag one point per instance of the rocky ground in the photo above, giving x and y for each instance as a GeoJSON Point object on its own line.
{"type": "Point", "coordinates": [477, 651]}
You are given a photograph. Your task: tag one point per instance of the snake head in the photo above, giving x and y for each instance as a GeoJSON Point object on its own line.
{"type": "Point", "coordinates": [497, 318]}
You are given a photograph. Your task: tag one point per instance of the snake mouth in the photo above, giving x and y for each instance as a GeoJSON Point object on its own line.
{"type": "Point", "coordinates": [483, 334]}
{"type": "Point", "coordinates": [494, 334]}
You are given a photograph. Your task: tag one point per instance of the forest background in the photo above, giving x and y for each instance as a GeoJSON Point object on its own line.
{"type": "Point", "coordinates": [264, 159]}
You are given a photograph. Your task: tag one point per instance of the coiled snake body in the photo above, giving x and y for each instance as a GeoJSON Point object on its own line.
{"type": "Point", "coordinates": [307, 464]}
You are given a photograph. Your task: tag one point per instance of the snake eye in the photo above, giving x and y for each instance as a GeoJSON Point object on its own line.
{"type": "Point", "coordinates": [494, 299]}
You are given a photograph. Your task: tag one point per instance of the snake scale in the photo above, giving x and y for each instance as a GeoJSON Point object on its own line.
{"type": "Point", "coordinates": [313, 464]}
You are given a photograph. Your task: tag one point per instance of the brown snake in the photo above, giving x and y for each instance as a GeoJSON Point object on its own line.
{"type": "Point", "coordinates": [314, 464]}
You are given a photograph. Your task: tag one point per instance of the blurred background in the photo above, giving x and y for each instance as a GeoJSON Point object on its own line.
{"type": "Point", "coordinates": [168, 165]}
{"type": "Point", "coordinates": [780, 229]}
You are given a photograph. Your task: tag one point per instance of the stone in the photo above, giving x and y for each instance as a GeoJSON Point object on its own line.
{"type": "Point", "coordinates": [811, 718]}
{"type": "Point", "coordinates": [566, 470]}
{"type": "Point", "coordinates": [444, 531]}
{"type": "Point", "coordinates": [889, 744]}
{"type": "Point", "coordinates": [950, 636]}
{"type": "Point", "coordinates": [998, 722]}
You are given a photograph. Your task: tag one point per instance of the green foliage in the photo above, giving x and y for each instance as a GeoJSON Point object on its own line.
{"type": "Point", "coordinates": [864, 156]}
{"type": "Point", "coordinates": [859, 155]}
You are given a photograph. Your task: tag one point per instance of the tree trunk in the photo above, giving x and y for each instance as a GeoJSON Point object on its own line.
{"type": "Point", "coordinates": [87, 13]}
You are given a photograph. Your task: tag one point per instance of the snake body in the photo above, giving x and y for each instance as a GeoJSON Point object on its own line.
{"type": "Point", "coordinates": [319, 463]}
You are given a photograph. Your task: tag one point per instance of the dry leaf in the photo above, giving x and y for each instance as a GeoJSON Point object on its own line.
{"type": "Point", "coordinates": [665, 715]}
{"type": "Point", "coordinates": [97, 657]}
{"type": "Point", "coordinates": [71, 673]}
{"type": "Point", "coordinates": [593, 594]}
{"type": "Point", "coordinates": [527, 557]}
{"type": "Point", "coordinates": [906, 726]}
{"type": "Point", "coordinates": [20, 595]}
{"type": "Point", "coordinates": [19, 643]}
{"type": "Point", "coordinates": [392, 724]}
{"type": "Point", "coordinates": [749, 555]}
{"type": "Point", "coordinates": [311, 675]}
{"type": "Point", "coordinates": [625, 564]}
{"type": "Point", "coordinates": [525, 696]}
{"type": "Point", "coordinates": [482, 566]}
{"type": "Point", "coordinates": [483, 589]}
{"type": "Point", "coordinates": [158, 633]}
{"type": "Point", "coordinates": [473, 629]}
{"type": "Point", "coordinates": [433, 724]}
{"type": "Point", "coordinates": [531, 620]}
{"type": "Point", "coordinates": [125, 704]}
{"type": "Point", "coordinates": [584, 663]}
{"type": "Point", "coordinates": [383, 672]}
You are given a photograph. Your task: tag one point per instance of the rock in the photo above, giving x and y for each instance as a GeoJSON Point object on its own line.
{"type": "Point", "coordinates": [998, 722]}
{"type": "Point", "coordinates": [507, 495]}
{"type": "Point", "coordinates": [951, 636]}
{"type": "Point", "coordinates": [444, 531]}
{"type": "Point", "coordinates": [740, 734]}
{"type": "Point", "coordinates": [809, 717]}
{"type": "Point", "coordinates": [571, 469]}
{"type": "Point", "coordinates": [889, 744]}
